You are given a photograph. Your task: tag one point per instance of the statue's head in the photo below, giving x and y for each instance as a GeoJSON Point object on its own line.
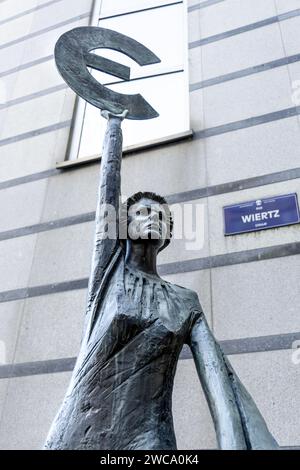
{"type": "Point", "coordinates": [148, 219]}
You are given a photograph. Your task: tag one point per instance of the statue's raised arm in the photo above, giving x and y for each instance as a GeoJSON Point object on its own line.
{"type": "Point", "coordinates": [107, 210]}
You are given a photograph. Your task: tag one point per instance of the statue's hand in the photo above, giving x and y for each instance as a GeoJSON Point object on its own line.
{"type": "Point", "coordinates": [108, 114]}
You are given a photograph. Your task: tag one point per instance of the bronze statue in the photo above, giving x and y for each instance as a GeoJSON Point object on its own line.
{"type": "Point", "coordinates": [120, 395]}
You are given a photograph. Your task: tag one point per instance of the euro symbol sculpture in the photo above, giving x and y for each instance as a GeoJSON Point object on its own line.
{"type": "Point", "coordinates": [73, 56]}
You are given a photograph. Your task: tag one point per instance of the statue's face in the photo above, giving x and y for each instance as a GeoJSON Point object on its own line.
{"type": "Point", "coordinates": [147, 220]}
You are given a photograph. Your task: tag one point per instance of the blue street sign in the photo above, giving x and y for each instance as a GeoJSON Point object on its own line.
{"type": "Point", "coordinates": [261, 214]}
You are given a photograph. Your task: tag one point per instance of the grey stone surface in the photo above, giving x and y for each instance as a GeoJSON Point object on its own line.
{"type": "Point", "coordinates": [165, 170]}
{"type": "Point", "coordinates": [32, 49]}
{"type": "Point", "coordinates": [40, 32]}
{"type": "Point", "coordinates": [283, 6]}
{"type": "Point", "coordinates": [62, 255]}
{"type": "Point", "coordinates": [13, 8]}
{"type": "Point", "coordinates": [28, 11]}
{"type": "Point", "coordinates": [71, 193]}
{"type": "Point", "coordinates": [32, 79]}
{"type": "Point", "coordinates": [118, 6]}
{"type": "Point", "coordinates": [16, 259]}
{"type": "Point", "coordinates": [30, 134]}
{"type": "Point", "coordinates": [10, 320]}
{"type": "Point", "coordinates": [254, 95]}
{"type": "Point", "coordinates": [58, 319]}
{"type": "Point", "coordinates": [7, 88]}
{"type": "Point", "coordinates": [33, 155]}
{"type": "Point", "coordinates": [58, 12]}
{"type": "Point", "coordinates": [248, 152]}
{"type": "Point", "coordinates": [21, 25]}
{"type": "Point", "coordinates": [289, 30]}
{"type": "Point", "coordinates": [243, 50]}
{"type": "Point", "coordinates": [197, 108]}
{"type": "Point", "coordinates": [231, 14]}
{"type": "Point", "coordinates": [294, 71]}
{"type": "Point", "coordinates": [3, 394]}
{"type": "Point", "coordinates": [195, 65]}
{"type": "Point", "coordinates": [33, 96]}
{"type": "Point", "coordinates": [36, 114]}
{"type": "Point", "coordinates": [25, 202]}
{"type": "Point", "coordinates": [256, 299]}
{"type": "Point", "coordinates": [9, 60]}
{"type": "Point", "coordinates": [30, 407]}
{"type": "Point", "coordinates": [194, 30]}
{"type": "Point", "coordinates": [260, 68]}
{"type": "Point", "coordinates": [193, 424]}
{"type": "Point", "coordinates": [273, 381]}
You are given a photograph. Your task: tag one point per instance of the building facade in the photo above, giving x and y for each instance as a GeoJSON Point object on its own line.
{"type": "Point", "coordinates": [241, 144]}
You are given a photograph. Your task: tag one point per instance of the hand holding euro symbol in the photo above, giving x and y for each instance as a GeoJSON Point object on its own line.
{"type": "Point", "coordinates": [73, 56]}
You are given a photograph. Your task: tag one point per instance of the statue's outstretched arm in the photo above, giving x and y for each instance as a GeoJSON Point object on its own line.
{"type": "Point", "coordinates": [238, 422]}
{"type": "Point", "coordinates": [216, 386]}
{"type": "Point", "coordinates": [107, 211]}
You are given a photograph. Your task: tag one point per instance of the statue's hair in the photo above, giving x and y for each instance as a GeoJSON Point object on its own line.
{"type": "Point", "coordinates": [155, 197]}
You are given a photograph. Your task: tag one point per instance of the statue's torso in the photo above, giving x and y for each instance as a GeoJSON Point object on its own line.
{"type": "Point", "coordinates": [121, 390]}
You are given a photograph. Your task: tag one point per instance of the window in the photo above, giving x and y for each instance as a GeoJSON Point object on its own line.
{"type": "Point", "coordinates": [161, 28]}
